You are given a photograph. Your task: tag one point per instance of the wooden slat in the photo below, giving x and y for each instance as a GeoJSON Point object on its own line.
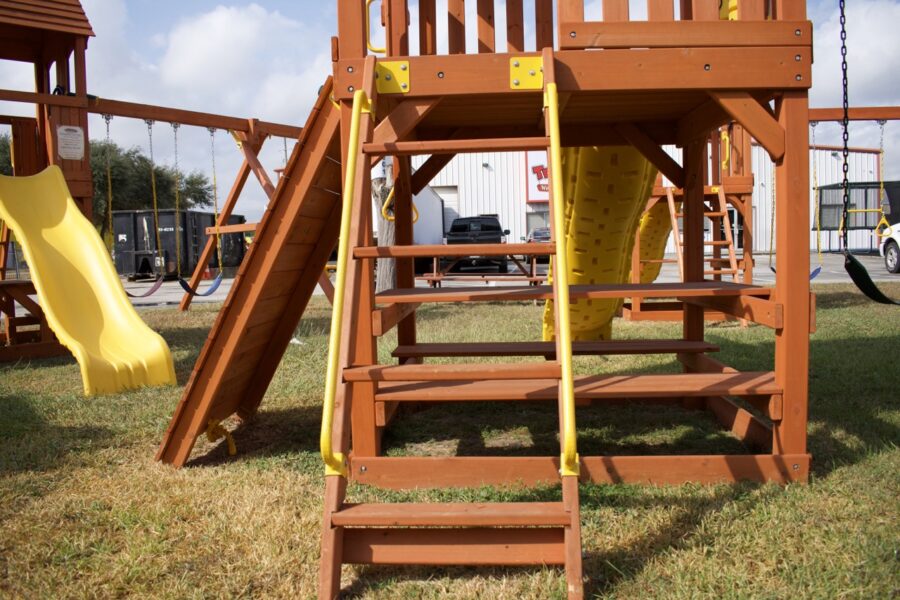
{"type": "Point", "coordinates": [477, 546]}
{"type": "Point", "coordinates": [464, 471]}
{"type": "Point", "coordinates": [593, 387]}
{"type": "Point", "coordinates": [427, 27]}
{"type": "Point", "coordinates": [515, 28]}
{"type": "Point", "coordinates": [611, 347]}
{"type": "Point", "coordinates": [741, 423]}
{"type": "Point", "coordinates": [577, 292]}
{"type": "Point", "coordinates": [543, 24]}
{"type": "Point", "coordinates": [660, 10]}
{"type": "Point", "coordinates": [386, 318]}
{"type": "Point", "coordinates": [755, 119]}
{"type": "Point", "coordinates": [858, 113]}
{"type": "Point", "coordinates": [615, 10]}
{"type": "Point", "coordinates": [236, 228]}
{"type": "Point", "coordinates": [759, 310]}
{"type": "Point", "coordinates": [457, 146]}
{"type": "Point", "coordinates": [486, 34]}
{"type": "Point", "coordinates": [692, 34]}
{"type": "Point", "coordinates": [431, 250]}
{"type": "Point", "coordinates": [454, 372]}
{"type": "Point", "coordinates": [456, 26]}
{"type": "Point", "coordinates": [476, 514]}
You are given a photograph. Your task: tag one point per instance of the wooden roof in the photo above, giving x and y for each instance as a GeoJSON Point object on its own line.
{"type": "Point", "coordinates": [63, 16]}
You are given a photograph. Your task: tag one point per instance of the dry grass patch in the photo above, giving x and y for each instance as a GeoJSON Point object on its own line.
{"type": "Point", "coordinates": [84, 510]}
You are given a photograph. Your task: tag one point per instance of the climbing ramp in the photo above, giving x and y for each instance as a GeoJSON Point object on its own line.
{"type": "Point", "coordinates": [79, 291]}
{"type": "Point", "coordinates": [273, 286]}
{"type": "Point", "coordinates": [606, 193]}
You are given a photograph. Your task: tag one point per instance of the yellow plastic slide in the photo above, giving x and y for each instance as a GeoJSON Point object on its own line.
{"type": "Point", "coordinates": [606, 192]}
{"type": "Point", "coordinates": [656, 225]}
{"type": "Point", "coordinates": [78, 287]}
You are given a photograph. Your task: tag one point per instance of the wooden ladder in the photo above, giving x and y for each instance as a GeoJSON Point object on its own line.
{"type": "Point", "coordinates": [717, 213]}
{"type": "Point", "coordinates": [461, 533]}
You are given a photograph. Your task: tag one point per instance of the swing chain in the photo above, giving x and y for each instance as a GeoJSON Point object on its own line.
{"type": "Point", "coordinates": [845, 133]}
{"type": "Point", "coordinates": [160, 256]}
{"type": "Point", "coordinates": [212, 147]}
{"type": "Point", "coordinates": [175, 127]}
{"type": "Point", "coordinates": [109, 195]}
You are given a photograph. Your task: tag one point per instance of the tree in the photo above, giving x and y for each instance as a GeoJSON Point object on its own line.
{"type": "Point", "coordinates": [131, 183]}
{"type": "Point", "coordinates": [5, 155]}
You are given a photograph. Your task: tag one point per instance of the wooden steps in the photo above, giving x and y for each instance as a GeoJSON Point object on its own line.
{"type": "Point", "coordinates": [454, 372]}
{"type": "Point", "coordinates": [591, 387]}
{"type": "Point", "coordinates": [495, 514]}
{"type": "Point", "coordinates": [548, 349]}
{"type": "Point", "coordinates": [576, 292]}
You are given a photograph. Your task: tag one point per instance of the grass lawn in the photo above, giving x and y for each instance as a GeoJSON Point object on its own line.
{"type": "Point", "coordinates": [85, 511]}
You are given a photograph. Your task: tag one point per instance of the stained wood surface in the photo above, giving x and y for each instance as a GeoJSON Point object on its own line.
{"type": "Point", "coordinates": [430, 250]}
{"type": "Point", "coordinates": [476, 514]}
{"type": "Point", "coordinates": [454, 372]}
{"type": "Point", "coordinates": [587, 387]}
{"type": "Point", "coordinates": [549, 348]}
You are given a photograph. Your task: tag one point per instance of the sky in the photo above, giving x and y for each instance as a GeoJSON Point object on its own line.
{"type": "Point", "coordinates": [267, 59]}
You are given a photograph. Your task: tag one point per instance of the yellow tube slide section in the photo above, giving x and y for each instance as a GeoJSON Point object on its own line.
{"type": "Point", "coordinates": [78, 287]}
{"type": "Point", "coordinates": [606, 191]}
{"type": "Point", "coordinates": [656, 225]}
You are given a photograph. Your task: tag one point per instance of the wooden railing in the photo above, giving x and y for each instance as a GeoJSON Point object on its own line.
{"type": "Point", "coordinates": [472, 26]}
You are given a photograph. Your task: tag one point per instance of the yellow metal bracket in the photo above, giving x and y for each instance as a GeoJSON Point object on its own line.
{"type": "Point", "coordinates": [392, 76]}
{"type": "Point", "coordinates": [526, 73]}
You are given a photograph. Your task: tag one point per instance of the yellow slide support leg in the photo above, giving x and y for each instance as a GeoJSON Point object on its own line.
{"type": "Point", "coordinates": [79, 289]}
{"type": "Point", "coordinates": [607, 190]}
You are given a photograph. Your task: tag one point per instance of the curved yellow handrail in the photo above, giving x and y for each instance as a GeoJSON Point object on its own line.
{"type": "Point", "coordinates": [726, 147]}
{"type": "Point", "coordinates": [368, 32]}
{"type": "Point", "coordinates": [334, 461]}
{"type": "Point", "coordinates": [387, 203]}
{"type": "Point", "coordinates": [568, 463]}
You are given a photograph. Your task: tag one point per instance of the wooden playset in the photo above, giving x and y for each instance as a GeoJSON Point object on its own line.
{"type": "Point", "coordinates": [602, 102]}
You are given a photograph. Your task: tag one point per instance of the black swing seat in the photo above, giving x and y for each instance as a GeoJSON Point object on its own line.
{"type": "Point", "coordinates": [863, 280]}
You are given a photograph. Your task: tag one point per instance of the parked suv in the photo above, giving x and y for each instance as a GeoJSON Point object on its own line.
{"type": "Point", "coordinates": [890, 249]}
{"type": "Point", "coordinates": [483, 229]}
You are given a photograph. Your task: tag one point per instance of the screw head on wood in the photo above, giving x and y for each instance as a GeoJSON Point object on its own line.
{"type": "Point", "coordinates": [349, 69]}
{"type": "Point", "coordinates": [440, 74]}
{"type": "Point", "coordinates": [706, 67]}
{"type": "Point", "coordinates": [363, 469]}
{"type": "Point", "coordinates": [349, 88]}
{"type": "Point", "coordinates": [799, 77]}
{"type": "Point", "coordinates": [797, 32]}
{"type": "Point", "coordinates": [571, 34]}
{"type": "Point", "coordinates": [797, 57]}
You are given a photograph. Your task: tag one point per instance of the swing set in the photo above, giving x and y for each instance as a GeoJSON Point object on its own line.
{"type": "Point", "coordinates": [158, 252]}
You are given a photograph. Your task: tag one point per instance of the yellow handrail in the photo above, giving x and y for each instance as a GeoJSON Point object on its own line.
{"type": "Point", "coordinates": [387, 202]}
{"type": "Point", "coordinates": [334, 461]}
{"type": "Point", "coordinates": [568, 462]}
{"type": "Point", "coordinates": [368, 33]}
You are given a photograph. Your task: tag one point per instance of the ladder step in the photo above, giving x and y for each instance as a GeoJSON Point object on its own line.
{"type": "Point", "coordinates": [591, 387]}
{"type": "Point", "coordinates": [659, 260]}
{"type": "Point", "coordinates": [454, 546]}
{"type": "Point", "coordinates": [455, 372]}
{"type": "Point", "coordinates": [514, 293]}
{"type": "Point", "coordinates": [509, 144]}
{"type": "Point", "coordinates": [721, 272]}
{"type": "Point", "coordinates": [611, 347]}
{"type": "Point", "coordinates": [446, 250]}
{"type": "Point", "coordinates": [494, 514]}
{"type": "Point", "coordinates": [715, 213]}
{"type": "Point", "coordinates": [716, 242]}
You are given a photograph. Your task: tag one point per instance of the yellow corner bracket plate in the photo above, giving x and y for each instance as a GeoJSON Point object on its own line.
{"type": "Point", "coordinates": [526, 73]}
{"type": "Point", "coordinates": [392, 76]}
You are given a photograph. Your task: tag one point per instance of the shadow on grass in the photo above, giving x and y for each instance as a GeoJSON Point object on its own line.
{"type": "Point", "coordinates": [30, 443]}
{"type": "Point", "coordinates": [271, 433]}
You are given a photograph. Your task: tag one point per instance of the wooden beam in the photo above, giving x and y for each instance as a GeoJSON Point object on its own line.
{"type": "Point", "coordinates": [693, 34]}
{"type": "Point", "coordinates": [414, 472]}
{"type": "Point", "coordinates": [857, 113]}
{"type": "Point", "coordinates": [652, 152]}
{"type": "Point", "coordinates": [386, 318]}
{"type": "Point", "coordinates": [237, 228]}
{"type": "Point", "coordinates": [403, 119]}
{"type": "Point", "coordinates": [429, 169]}
{"type": "Point", "coordinates": [456, 146]}
{"type": "Point", "coordinates": [741, 423]}
{"type": "Point", "coordinates": [763, 311]}
{"type": "Point", "coordinates": [744, 109]}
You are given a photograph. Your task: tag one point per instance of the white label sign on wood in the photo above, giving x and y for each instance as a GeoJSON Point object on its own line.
{"type": "Point", "coordinates": [70, 140]}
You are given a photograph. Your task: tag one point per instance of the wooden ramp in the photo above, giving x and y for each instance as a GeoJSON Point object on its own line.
{"type": "Point", "coordinates": [273, 286]}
